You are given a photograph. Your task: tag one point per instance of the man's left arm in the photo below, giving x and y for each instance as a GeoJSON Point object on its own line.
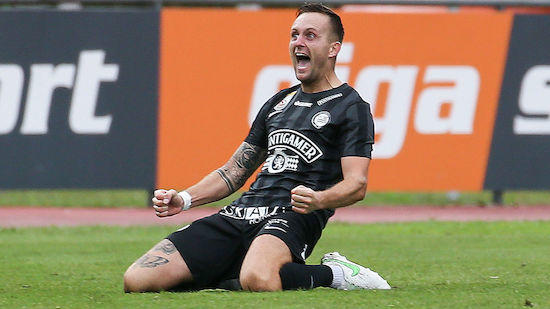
{"type": "Point", "coordinates": [348, 191]}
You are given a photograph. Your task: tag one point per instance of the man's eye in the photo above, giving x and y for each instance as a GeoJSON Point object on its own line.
{"type": "Point", "coordinates": [294, 36]}
{"type": "Point", "coordinates": [310, 35]}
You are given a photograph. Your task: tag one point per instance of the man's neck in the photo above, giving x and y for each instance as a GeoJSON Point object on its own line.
{"type": "Point", "coordinates": [327, 82]}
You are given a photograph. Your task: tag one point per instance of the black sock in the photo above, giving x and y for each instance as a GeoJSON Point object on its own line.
{"type": "Point", "coordinates": [299, 276]}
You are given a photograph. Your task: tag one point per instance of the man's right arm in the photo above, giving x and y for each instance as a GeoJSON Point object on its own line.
{"type": "Point", "coordinates": [230, 177]}
{"type": "Point", "coordinates": [216, 185]}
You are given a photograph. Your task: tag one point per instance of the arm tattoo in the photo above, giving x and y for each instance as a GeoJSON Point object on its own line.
{"type": "Point", "coordinates": [151, 261]}
{"type": "Point", "coordinates": [243, 163]}
{"type": "Point", "coordinates": [223, 175]}
{"type": "Point", "coordinates": [247, 156]}
{"type": "Point", "coordinates": [166, 247]}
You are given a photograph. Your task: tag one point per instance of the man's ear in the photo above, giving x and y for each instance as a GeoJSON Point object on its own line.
{"type": "Point", "coordinates": [334, 49]}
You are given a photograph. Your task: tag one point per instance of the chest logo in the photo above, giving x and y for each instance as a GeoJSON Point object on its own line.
{"type": "Point", "coordinates": [320, 119]}
{"type": "Point", "coordinates": [279, 161]}
{"type": "Point", "coordinates": [295, 142]}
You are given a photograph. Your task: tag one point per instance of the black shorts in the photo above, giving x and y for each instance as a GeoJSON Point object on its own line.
{"type": "Point", "coordinates": [214, 247]}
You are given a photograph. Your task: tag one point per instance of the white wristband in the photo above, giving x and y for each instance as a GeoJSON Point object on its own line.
{"type": "Point", "coordinates": [186, 199]}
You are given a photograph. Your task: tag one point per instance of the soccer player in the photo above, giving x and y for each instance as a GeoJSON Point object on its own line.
{"type": "Point", "coordinates": [315, 141]}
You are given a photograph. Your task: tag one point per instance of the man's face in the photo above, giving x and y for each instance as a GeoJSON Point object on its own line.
{"type": "Point", "coordinates": [310, 45]}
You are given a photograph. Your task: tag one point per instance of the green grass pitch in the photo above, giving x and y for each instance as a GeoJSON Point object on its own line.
{"type": "Point", "coordinates": [430, 264]}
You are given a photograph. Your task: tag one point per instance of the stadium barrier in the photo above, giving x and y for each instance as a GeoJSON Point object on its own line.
{"type": "Point", "coordinates": [459, 97]}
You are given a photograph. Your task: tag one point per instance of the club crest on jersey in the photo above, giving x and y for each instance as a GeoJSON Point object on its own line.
{"type": "Point", "coordinates": [295, 142]}
{"type": "Point", "coordinates": [320, 119]}
{"type": "Point", "coordinates": [279, 161]}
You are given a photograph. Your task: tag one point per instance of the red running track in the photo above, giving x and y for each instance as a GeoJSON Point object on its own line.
{"type": "Point", "coordinates": [30, 216]}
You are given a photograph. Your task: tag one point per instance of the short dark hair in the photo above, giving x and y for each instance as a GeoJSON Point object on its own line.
{"type": "Point", "coordinates": [335, 20]}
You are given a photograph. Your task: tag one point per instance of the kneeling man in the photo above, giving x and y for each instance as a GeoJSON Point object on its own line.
{"type": "Point", "coordinates": [314, 141]}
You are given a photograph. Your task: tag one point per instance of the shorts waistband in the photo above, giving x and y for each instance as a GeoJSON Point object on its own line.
{"type": "Point", "coordinates": [252, 213]}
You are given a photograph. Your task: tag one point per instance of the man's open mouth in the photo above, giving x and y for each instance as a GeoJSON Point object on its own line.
{"type": "Point", "coordinates": [302, 60]}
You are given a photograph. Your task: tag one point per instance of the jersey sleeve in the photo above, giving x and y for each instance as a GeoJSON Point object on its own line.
{"type": "Point", "coordinates": [357, 131]}
{"type": "Point", "coordinates": [258, 132]}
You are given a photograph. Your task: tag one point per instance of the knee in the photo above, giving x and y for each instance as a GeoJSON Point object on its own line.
{"type": "Point", "coordinates": [260, 281]}
{"type": "Point", "coordinates": [134, 283]}
{"type": "Point", "coordinates": [131, 282]}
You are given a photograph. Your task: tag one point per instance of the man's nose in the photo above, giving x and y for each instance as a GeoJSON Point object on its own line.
{"type": "Point", "coordinates": [299, 41]}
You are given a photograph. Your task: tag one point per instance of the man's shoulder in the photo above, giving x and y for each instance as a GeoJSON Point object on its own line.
{"type": "Point", "coordinates": [278, 101]}
{"type": "Point", "coordinates": [352, 96]}
{"type": "Point", "coordinates": [292, 88]}
{"type": "Point", "coordinates": [344, 98]}
{"type": "Point", "coordinates": [283, 93]}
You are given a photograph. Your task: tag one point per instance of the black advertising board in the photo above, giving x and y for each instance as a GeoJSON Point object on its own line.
{"type": "Point", "coordinates": [78, 98]}
{"type": "Point", "coordinates": [520, 149]}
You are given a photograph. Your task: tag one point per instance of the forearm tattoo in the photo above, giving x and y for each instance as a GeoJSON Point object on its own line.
{"type": "Point", "coordinates": [166, 247]}
{"type": "Point", "coordinates": [151, 261]}
{"type": "Point", "coordinates": [222, 171]}
{"type": "Point", "coordinates": [243, 163]}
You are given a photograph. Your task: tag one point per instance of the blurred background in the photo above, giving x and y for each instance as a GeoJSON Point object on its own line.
{"type": "Point", "coordinates": [103, 101]}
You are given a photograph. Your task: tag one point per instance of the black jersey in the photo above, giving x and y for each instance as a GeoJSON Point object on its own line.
{"type": "Point", "coordinates": [306, 135]}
